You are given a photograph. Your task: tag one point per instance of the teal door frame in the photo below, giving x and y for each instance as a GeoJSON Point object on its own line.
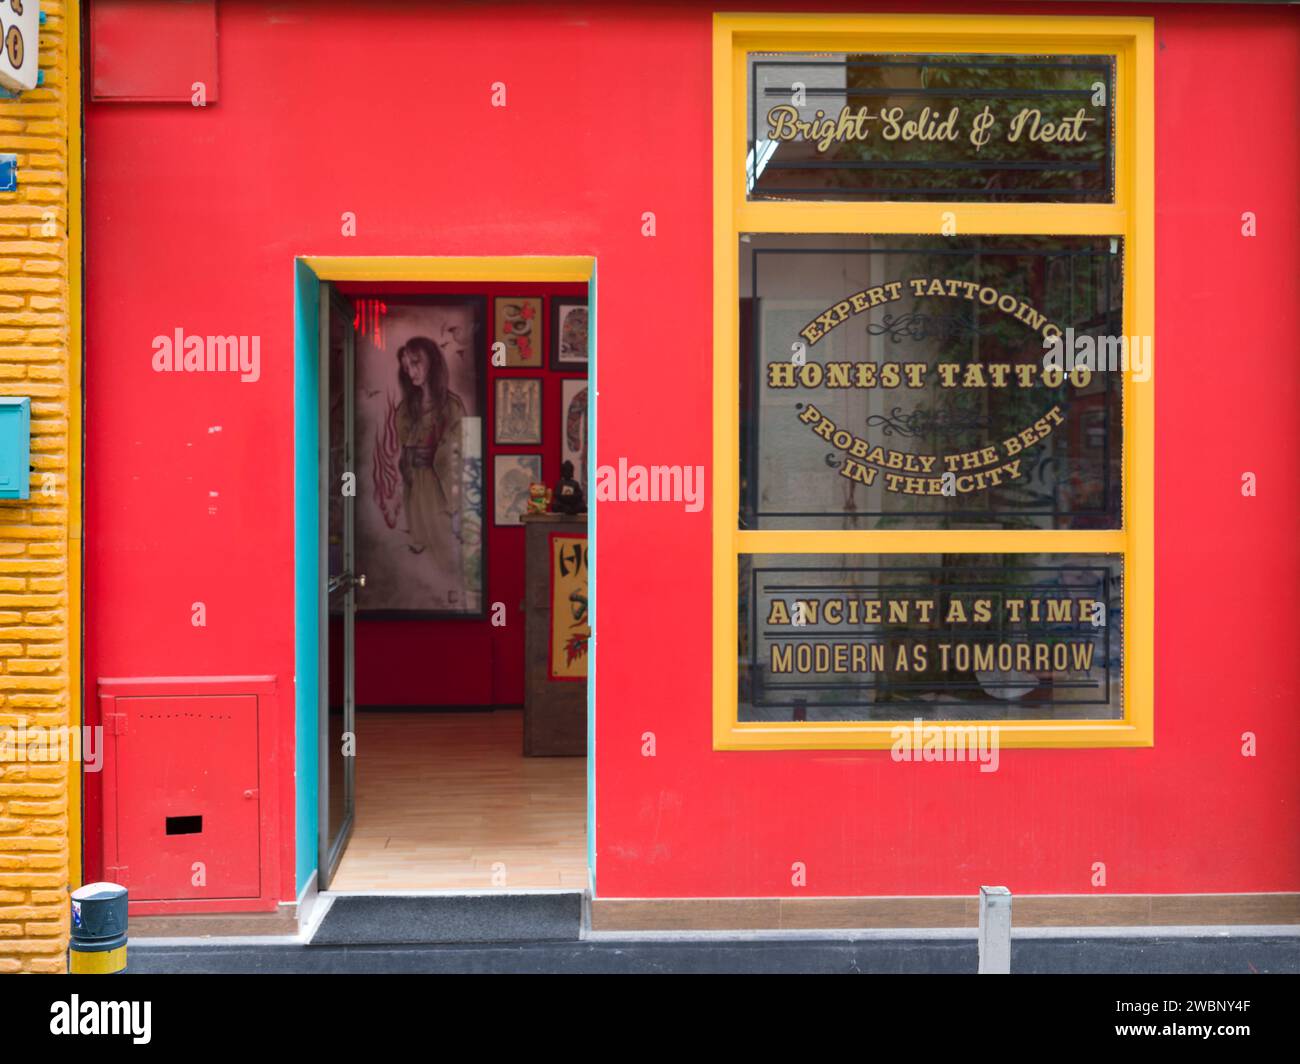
{"type": "Point", "coordinates": [308, 454]}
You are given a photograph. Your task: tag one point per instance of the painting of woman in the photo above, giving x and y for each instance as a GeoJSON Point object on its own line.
{"type": "Point", "coordinates": [419, 513]}
{"type": "Point", "coordinates": [428, 432]}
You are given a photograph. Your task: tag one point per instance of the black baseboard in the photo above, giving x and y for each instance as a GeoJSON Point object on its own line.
{"type": "Point", "coordinates": [439, 709]}
{"type": "Point", "coordinates": [1208, 955]}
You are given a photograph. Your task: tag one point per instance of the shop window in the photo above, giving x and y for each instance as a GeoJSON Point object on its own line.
{"type": "Point", "coordinates": [933, 364]}
{"type": "Point", "coordinates": [899, 383]}
{"type": "Point", "coordinates": [928, 127]}
{"type": "Point", "coordinates": [857, 637]}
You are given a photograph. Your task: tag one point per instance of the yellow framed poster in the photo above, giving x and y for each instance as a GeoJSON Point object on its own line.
{"type": "Point", "coordinates": [570, 621]}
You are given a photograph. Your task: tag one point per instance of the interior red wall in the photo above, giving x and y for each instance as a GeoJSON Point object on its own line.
{"type": "Point", "coordinates": [193, 219]}
{"type": "Point", "coordinates": [470, 662]}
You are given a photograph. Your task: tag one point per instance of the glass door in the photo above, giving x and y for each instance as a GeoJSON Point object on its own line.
{"type": "Point", "coordinates": [337, 764]}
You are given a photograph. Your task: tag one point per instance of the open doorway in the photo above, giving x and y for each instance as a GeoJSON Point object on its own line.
{"type": "Point", "coordinates": [453, 623]}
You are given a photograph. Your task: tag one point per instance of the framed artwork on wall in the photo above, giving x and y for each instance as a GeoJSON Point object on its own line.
{"type": "Point", "coordinates": [518, 410]}
{"type": "Point", "coordinates": [517, 322]}
{"type": "Point", "coordinates": [568, 334]}
{"type": "Point", "coordinates": [420, 404]}
{"type": "Point", "coordinates": [573, 430]}
{"type": "Point", "coordinates": [511, 476]}
{"type": "Point", "coordinates": [570, 620]}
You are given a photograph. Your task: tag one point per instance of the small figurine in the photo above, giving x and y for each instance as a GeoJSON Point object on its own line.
{"type": "Point", "coordinates": [568, 492]}
{"type": "Point", "coordinates": [539, 499]}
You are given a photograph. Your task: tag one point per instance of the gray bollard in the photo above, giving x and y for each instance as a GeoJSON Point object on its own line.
{"type": "Point", "coordinates": [97, 944]}
{"type": "Point", "coordinates": [995, 931]}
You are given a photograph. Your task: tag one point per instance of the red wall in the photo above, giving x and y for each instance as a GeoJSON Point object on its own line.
{"type": "Point", "coordinates": [193, 219]}
{"type": "Point", "coordinates": [468, 662]}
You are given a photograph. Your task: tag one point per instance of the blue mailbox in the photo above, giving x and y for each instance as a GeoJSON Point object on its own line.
{"type": "Point", "coordinates": [15, 447]}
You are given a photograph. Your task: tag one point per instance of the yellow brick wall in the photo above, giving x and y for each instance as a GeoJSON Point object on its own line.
{"type": "Point", "coordinates": [40, 538]}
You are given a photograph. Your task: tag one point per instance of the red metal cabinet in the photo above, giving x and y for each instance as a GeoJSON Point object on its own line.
{"type": "Point", "coordinates": [184, 806]}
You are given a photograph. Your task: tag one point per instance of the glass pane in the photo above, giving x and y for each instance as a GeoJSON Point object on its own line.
{"type": "Point", "coordinates": [932, 127]}
{"type": "Point", "coordinates": [904, 382]}
{"type": "Point", "coordinates": [878, 637]}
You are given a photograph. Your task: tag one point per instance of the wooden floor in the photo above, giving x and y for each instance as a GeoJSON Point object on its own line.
{"type": "Point", "coordinates": [446, 801]}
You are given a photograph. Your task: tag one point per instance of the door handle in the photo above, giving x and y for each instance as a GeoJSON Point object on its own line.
{"type": "Point", "coordinates": [343, 581]}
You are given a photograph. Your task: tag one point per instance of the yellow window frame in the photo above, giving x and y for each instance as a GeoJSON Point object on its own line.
{"type": "Point", "coordinates": [1130, 216]}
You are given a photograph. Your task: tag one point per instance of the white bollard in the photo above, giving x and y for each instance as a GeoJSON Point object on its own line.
{"type": "Point", "coordinates": [995, 931]}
